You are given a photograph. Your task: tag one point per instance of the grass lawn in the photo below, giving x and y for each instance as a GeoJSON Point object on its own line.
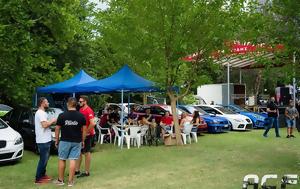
{"type": "Point", "coordinates": [217, 161]}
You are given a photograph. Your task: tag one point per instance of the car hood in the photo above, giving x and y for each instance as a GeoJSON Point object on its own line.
{"type": "Point", "coordinates": [8, 134]}
{"type": "Point", "coordinates": [215, 118]}
{"type": "Point", "coordinates": [255, 116]}
{"type": "Point", "coordinates": [235, 116]}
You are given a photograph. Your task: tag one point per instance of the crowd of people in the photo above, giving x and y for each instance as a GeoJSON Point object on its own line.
{"type": "Point", "coordinates": [157, 127]}
{"type": "Point", "coordinates": [73, 133]}
{"type": "Point", "coordinates": [291, 114]}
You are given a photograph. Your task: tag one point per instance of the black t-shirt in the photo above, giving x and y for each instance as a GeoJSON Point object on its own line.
{"type": "Point", "coordinates": [272, 106]}
{"type": "Point", "coordinates": [71, 123]}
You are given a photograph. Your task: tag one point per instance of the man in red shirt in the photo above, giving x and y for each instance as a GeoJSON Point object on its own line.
{"type": "Point", "coordinates": [166, 122]}
{"type": "Point", "coordinates": [90, 132]}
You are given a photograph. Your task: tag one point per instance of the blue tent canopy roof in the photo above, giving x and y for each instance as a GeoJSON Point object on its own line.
{"type": "Point", "coordinates": [125, 79]}
{"type": "Point", "coordinates": [68, 86]}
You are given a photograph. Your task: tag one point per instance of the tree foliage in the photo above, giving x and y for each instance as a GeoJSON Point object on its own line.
{"type": "Point", "coordinates": [153, 37]}
{"type": "Point", "coordinates": [40, 44]}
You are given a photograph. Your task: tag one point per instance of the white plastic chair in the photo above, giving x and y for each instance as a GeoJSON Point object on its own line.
{"type": "Point", "coordinates": [117, 135]}
{"type": "Point", "coordinates": [102, 134]}
{"type": "Point", "coordinates": [144, 130]}
{"type": "Point", "coordinates": [186, 133]}
{"type": "Point", "coordinates": [194, 134]}
{"type": "Point", "coordinates": [134, 135]}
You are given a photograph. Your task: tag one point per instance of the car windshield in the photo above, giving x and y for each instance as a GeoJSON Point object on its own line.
{"type": "Point", "coordinates": [53, 113]}
{"type": "Point", "coordinates": [168, 108]}
{"type": "Point", "coordinates": [244, 109]}
{"type": "Point", "coordinates": [200, 110]}
{"type": "Point", "coordinates": [4, 107]}
{"type": "Point", "coordinates": [2, 124]}
{"type": "Point", "coordinates": [225, 110]}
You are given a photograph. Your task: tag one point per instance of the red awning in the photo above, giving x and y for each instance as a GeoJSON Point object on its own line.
{"type": "Point", "coordinates": [242, 56]}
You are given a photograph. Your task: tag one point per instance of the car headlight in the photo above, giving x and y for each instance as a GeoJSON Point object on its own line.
{"type": "Point", "coordinates": [18, 141]}
{"type": "Point", "coordinates": [237, 120]}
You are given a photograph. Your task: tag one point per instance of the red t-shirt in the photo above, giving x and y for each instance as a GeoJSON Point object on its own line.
{"type": "Point", "coordinates": [167, 120]}
{"type": "Point", "coordinates": [103, 119]}
{"type": "Point", "coordinates": [88, 115]}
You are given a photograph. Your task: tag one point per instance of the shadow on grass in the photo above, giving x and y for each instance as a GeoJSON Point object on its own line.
{"type": "Point", "coordinates": [9, 163]}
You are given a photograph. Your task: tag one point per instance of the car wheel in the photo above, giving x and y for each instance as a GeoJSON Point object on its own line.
{"type": "Point", "coordinates": [229, 126]}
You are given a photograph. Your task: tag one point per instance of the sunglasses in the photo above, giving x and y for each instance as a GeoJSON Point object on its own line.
{"type": "Point", "coordinates": [81, 101]}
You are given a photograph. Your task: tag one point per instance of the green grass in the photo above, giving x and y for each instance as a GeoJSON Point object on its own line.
{"type": "Point", "coordinates": [217, 161]}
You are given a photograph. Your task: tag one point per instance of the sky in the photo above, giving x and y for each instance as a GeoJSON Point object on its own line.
{"type": "Point", "coordinates": [99, 4]}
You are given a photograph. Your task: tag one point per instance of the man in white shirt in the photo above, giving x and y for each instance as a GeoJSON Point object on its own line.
{"type": "Point", "coordinates": [43, 139]}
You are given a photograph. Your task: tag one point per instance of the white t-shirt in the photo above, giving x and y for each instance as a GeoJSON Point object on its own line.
{"type": "Point", "coordinates": [42, 135]}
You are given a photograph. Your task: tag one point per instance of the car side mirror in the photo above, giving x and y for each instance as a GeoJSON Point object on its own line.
{"type": "Point", "coordinates": [26, 121]}
{"type": "Point", "coordinates": [7, 122]}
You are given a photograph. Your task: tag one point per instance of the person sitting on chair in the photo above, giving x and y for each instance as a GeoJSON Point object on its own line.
{"type": "Point", "coordinates": [166, 122]}
{"type": "Point", "coordinates": [195, 121]}
{"type": "Point", "coordinates": [184, 120]}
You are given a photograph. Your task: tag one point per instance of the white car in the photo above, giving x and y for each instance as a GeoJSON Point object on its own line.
{"type": "Point", "coordinates": [11, 143]}
{"type": "Point", "coordinates": [236, 121]}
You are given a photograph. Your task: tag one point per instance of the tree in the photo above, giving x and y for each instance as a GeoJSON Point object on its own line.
{"type": "Point", "coordinates": [154, 36]}
{"type": "Point", "coordinates": [37, 44]}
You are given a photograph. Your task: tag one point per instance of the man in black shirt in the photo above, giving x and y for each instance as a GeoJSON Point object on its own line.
{"type": "Point", "coordinates": [71, 125]}
{"type": "Point", "coordinates": [273, 114]}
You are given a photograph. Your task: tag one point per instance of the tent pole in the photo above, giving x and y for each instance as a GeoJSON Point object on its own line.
{"type": "Point", "coordinates": [128, 100]}
{"type": "Point", "coordinates": [240, 76]}
{"type": "Point", "coordinates": [122, 123]}
{"type": "Point", "coordinates": [228, 84]}
{"type": "Point", "coordinates": [294, 80]}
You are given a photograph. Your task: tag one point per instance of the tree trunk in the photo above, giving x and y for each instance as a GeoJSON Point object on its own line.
{"type": "Point", "coordinates": [175, 120]}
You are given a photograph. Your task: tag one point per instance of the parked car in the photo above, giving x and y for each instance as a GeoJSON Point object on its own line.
{"type": "Point", "coordinates": [11, 143]}
{"type": "Point", "coordinates": [4, 109]}
{"type": "Point", "coordinates": [215, 124]}
{"type": "Point", "coordinates": [159, 110]}
{"type": "Point", "coordinates": [120, 106]}
{"type": "Point", "coordinates": [236, 121]}
{"type": "Point", "coordinates": [22, 120]}
{"type": "Point", "coordinates": [260, 120]}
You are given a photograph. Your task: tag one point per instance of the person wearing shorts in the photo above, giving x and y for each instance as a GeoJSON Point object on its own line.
{"type": "Point", "coordinates": [89, 115]}
{"type": "Point", "coordinates": [71, 126]}
{"type": "Point", "coordinates": [291, 113]}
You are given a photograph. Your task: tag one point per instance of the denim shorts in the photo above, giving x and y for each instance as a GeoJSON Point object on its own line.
{"type": "Point", "coordinates": [69, 150]}
{"type": "Point", "coordinates": [290, 123]}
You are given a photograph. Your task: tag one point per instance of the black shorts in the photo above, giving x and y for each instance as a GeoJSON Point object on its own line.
{"type": "Point", "coordinates": [87, 144]}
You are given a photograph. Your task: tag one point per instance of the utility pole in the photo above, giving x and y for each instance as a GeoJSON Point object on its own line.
{"type": "Point", "coordinates": [294, 79]}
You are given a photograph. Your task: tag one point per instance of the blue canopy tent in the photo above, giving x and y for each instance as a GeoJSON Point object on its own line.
{"type": "Point", "coordinates": [125, 80]}
{"type": "Point", "coordinates": [68, 86]}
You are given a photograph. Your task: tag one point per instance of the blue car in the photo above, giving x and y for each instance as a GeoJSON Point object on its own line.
{"type": "Point", "coordinates": [259, 119]}
{"type": "Point", "coordinates": [215, 124]}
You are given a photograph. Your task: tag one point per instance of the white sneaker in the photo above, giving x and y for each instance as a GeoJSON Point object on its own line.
{"type": "Point", "coordinates": [70, 184]}
{"type": "Point", "coordinates": [58, 182]}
